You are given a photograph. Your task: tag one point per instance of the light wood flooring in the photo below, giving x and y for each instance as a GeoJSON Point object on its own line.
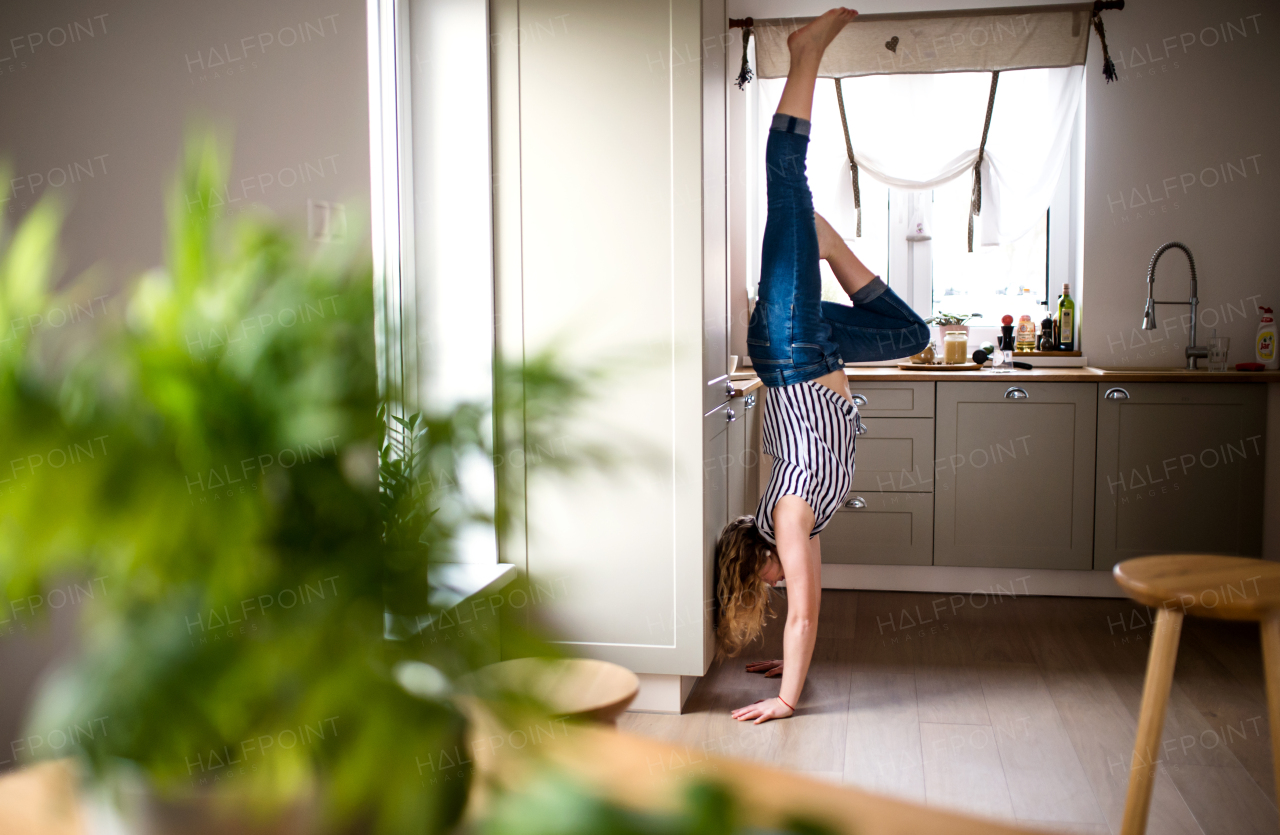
{"type": "Point", "coordinates": [1023, 708]}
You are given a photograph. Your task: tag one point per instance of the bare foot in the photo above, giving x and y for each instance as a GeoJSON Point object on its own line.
{"type": "Point", "coordinates": [829, 240]}
{"type": "Point", "coordinates": [812, 39]}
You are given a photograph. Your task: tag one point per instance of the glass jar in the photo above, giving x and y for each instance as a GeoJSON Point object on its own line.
{"type": "Point", "coordinates": [1026, 335]}
{"type": "Point", "coordinates": [955, 348]}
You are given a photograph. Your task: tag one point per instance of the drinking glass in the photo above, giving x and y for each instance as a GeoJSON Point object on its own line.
{"type": "Point", "coordinates": [1218, 348]}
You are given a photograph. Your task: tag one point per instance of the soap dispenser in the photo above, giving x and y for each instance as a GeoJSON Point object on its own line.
{"type": "Point", "coordinates": [1265, 345]}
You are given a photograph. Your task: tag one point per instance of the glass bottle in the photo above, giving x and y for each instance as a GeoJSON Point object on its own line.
{"type": "Point", "coordinates": [1026, 334]}
{"type": "Point", "coordinates": [1066, 320]}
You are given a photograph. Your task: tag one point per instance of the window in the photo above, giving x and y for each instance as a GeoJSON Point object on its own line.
{"type": "Point", "coordinates": [918, 240]}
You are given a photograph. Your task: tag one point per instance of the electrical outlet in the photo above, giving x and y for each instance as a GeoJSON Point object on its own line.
{"type": "Point", "coordinates": [326, 221]}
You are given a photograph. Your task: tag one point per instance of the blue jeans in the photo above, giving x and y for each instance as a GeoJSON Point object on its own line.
{"type": "Point", "coordinates": [793, 335]}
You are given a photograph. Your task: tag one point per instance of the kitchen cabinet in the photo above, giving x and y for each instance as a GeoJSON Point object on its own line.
{"type": "Point", "coordinates": [610, 246]}
{"type": "Point", "coordinates": [893, 399]}
{"type": "Point", "coordinates": [895, 455]}
{"type": "Point", "coordinates": [880, 529]}
{"type": "Point", "coordinates": [1015, 474]}
{"type": "Point", "coordinates": [1179, 469]}
{"type": "Point", "coordinates": [743, 455]}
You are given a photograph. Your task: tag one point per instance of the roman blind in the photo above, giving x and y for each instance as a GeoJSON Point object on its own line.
{"type": "Point", "coordinates": [891, 87]}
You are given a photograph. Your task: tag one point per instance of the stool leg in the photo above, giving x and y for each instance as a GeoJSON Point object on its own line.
{"type": "Point", "coordinates": [1155, 697]}
{"type": "Point", "coordinates": [1271, 661]}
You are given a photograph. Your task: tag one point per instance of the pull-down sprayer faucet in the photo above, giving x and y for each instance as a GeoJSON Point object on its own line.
{"type": "Point", "coordinates": [1149, 313]}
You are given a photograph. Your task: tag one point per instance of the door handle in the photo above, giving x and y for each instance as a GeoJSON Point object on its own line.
{"type": "Point", "coordinates": [729, 416]}
{"type": "Point", "coordinates": [859, 428]}
{"type": "Point", "coordinates": [1016, 393]}
{"type": "Point", "coordinates": [1116, 393]}
{"type": "Point", "coordinates": [859, 400]}
{"type": "Point", "coordinates": [857, 503]}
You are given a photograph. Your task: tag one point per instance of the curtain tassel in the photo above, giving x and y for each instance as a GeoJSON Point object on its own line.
{"type": "Point", "coordinates": [1108, 66]}
{"type": "Point", "coordinates": [975, 200]}
{"type": "Point", "coordinates": [745, 74]}
{"type": "Point", "coordinates": [853, 163]}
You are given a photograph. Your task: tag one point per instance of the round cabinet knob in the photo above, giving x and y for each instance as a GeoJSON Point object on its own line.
{"type": "Point", "coordinates": [1016, 393]}
{"type": "Point", "coordinates": [859, 400]}
{"type": "Point", "coordinates": [1116, 393]}
{"type": "Point", "coordinates": [749, 402]}
{"type": "Point", "coordinates": [857, 503]}
{"type": "Point", "coordinates": [729, 416]}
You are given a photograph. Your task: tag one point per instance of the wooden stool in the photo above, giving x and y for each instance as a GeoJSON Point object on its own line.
{"type": "Point", "coordinates": [574, 687]}
{"type": "Point", "coordinates": [1229, 588]}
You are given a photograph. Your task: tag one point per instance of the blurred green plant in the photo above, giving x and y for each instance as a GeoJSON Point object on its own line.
{"type": "Point", "coordinates": [556, 805]}
{"type": "Point", "coordinates": [213, 455]}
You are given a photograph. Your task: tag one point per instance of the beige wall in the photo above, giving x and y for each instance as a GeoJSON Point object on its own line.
{"type": "Point", "coordinates": [1159, 143]}
{"type": "Point", "coordinates": [105, 90]}
{"type": "Point", "coordinates": [116, 96]}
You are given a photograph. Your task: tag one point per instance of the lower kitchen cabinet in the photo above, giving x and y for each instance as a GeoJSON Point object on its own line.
{"type": "Point", "coordinates": [1015, 474]}
{"type": "Point", "coordinates": [895, 455]}
{"type": "Point", "coordinates": [1180, 469]}
{"type": "Point", "coordinates": [881, 529]}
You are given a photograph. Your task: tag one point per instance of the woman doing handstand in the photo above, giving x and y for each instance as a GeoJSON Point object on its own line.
{"type": "Point", "coordinates": [798, 345]}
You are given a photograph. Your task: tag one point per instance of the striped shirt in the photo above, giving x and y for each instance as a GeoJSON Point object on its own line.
{"type": "Point", "coordinates": [809, 430]}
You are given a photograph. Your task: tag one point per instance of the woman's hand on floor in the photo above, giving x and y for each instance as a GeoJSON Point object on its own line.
{"type": "Point", "coordinates": [771, 669]}
{"type": "Point", "coordinates": [763, 711]}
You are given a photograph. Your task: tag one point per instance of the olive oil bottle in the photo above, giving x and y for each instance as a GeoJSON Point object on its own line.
{"type": "Point", "coordinates": [1066, 320]}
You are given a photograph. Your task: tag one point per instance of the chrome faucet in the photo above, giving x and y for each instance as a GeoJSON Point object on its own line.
{"type": "Point", "coordinates": [1149, 313]}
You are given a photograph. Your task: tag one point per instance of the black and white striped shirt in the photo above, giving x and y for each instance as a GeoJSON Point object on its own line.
{"type": "Point", "coordinates": [809, 430]}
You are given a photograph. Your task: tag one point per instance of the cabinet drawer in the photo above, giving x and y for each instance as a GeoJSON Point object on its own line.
{"type": "Point", "coordinates": [893, 529]}
{"type": "Point", "coordinates": [895, 455]}
{"type": "Point", "coordinates": [893, 399]}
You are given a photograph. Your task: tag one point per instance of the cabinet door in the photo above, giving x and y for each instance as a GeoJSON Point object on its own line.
{"type": "Point", "coordinates": [881, 529]}
{"type": "Point", "coordinates": [1014, 484]}
{"type": "Point", "coordinates": [631, 543]}
{"type": "Point", "coordinates": [1180, 469]}
{"type": "Point", "coordinates": [894, 455]}
{"type": "Point", "coordinates": [752, 411]}
{"type": "Point", "coordinates": [735, 457]}
{"type": "Point", "coordinates": [716, 480]}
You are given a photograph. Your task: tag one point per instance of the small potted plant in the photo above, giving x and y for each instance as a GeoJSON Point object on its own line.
{"type": "Point", "coordinates": [946, 322]}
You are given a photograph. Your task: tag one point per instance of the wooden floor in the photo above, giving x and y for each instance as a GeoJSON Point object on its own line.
{"type": "Point", "coordinates": [1017, 708]}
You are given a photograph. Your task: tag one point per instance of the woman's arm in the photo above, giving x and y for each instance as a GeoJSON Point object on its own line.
{"type": "Point", "coordinates": [793, 520]}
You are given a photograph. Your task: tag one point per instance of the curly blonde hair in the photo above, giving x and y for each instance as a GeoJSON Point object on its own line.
{"type": "Point", "coordinates": [742, 595]}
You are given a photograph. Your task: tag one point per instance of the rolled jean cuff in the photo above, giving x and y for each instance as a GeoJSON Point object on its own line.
{"type": "Point", "coordinates": [790, 124]}
{"type": "Point", "coordinates": [869, 291]}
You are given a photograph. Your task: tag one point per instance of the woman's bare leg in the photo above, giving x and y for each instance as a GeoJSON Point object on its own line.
{"type": "Point", "coordinates": [807, 45]}
{"type": "Point", "coordinates": [852, 274]}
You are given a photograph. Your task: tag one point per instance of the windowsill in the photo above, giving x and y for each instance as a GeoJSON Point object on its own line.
{"type": "Point", "coordinates": [452, 584]}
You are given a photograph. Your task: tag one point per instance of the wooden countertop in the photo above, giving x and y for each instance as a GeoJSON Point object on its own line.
{"type": "Point", "coordinates": [744, 384]}
{"type": "Point", "coordinates": [643, 774]}
{"type": "Point", "coordinates": [1088, 374]}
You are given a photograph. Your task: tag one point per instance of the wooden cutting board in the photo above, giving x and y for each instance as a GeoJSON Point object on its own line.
{"type": "Point", "coordinates": [923, 366]}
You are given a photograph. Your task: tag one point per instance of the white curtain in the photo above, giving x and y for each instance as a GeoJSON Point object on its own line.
{"type": "Point", "coordinates": [917, 132]}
